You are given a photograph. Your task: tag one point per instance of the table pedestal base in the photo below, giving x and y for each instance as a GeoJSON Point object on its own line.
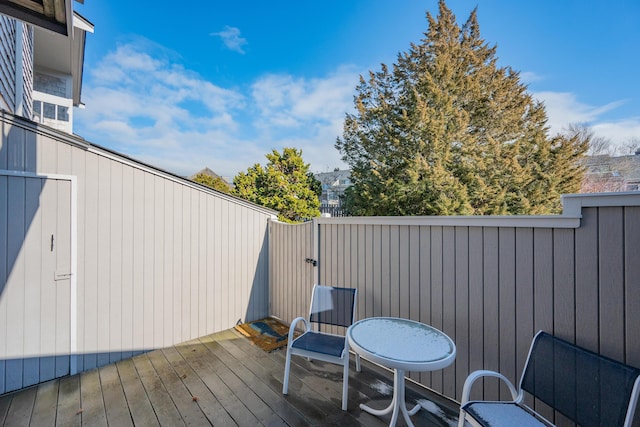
{"type": "Point", "coordinates": [398, 403]}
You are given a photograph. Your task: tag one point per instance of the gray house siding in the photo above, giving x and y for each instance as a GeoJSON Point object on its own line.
{"type": "Point", "coordinates": [7, 63]}
{"type": "Point", "coordinates": [489, 282]}
{"type": "Point", "coordinates": [16, 66]}
{"type": "Point", "coordinates": [153, 259]}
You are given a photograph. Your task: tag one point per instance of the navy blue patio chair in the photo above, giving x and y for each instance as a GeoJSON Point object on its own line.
{"type": "Point", "coordinates": [329, 306]}
{"type": "Point", "coordinates": [586, 387]}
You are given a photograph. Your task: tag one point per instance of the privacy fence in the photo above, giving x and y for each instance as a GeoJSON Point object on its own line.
{"type": "Point", "coordinates": [488, 282]}
{"type": "Point", "coordinates": [103, 257]}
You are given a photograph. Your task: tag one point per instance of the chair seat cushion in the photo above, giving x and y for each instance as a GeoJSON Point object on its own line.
{"type": "Point", "coordinates": [501, 414]}
{"type": "Point", "coordinates": [317, 342]}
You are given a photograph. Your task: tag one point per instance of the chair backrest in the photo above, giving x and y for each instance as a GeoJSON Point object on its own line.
{"type": "Point", "coordinates": [333, 306]}
{"type": "Point", "coordinates": [590, 389]}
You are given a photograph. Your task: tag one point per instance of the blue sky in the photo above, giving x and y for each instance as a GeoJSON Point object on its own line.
{"type": "Point", "coordinates": [223, 83]}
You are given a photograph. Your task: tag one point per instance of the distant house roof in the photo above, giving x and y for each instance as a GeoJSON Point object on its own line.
{"type": "Point", "coordinates": [626, 166]}
{"type": "Point", "coordinates": [205, 171]}
{"type": "Point", "coordinates": [333, 178]}
{"type": "Point", "coordinates": [606, 173]}
{"type": "Point", "coordinates": [209, 172]}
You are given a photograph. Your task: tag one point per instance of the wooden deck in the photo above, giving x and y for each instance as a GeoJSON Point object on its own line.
{"type": "Point", "coordinates": [221, 379]}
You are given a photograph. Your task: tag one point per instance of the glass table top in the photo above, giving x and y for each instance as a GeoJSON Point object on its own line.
{"type": "Point", "coordinates": [401, 339]}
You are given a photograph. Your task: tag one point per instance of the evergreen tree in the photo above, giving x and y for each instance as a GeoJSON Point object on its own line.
{"type": "Point", "coordinates": [314, 184]}
{"type": "Point", "coordinates": [284, 185]}
{"type": "Point", "coordinates": [448, 132]}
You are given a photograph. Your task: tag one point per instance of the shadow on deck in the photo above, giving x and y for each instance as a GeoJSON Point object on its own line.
{"type": "Point", "coordinates": [219, 379]}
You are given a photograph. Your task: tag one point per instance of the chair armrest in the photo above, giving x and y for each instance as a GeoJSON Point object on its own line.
{"type": "Point", "coordinates": [292, 328]}
{"type": "Point", "coordinates": [475, 375]}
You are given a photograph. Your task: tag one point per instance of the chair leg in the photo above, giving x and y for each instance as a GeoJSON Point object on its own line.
{"type": "Point", "coordinates": [345, 383]}
{"type": "Point", "coordinates": [287, 368]}
{"type": "Point", "coordinates": [461, 418]}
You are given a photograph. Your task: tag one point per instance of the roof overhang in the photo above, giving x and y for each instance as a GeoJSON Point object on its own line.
{"type": "Point", "coordinates": [62, 51]}
{"type": "Point", "coordinates": [54, 15]}
{"type": "Point", "coordinates": [64, 55]}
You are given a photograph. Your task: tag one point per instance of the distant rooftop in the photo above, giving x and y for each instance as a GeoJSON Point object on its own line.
{"type": "Point", "coordinates": [209, 172]}
{"type": "Point", "coordinates": [605, 173]}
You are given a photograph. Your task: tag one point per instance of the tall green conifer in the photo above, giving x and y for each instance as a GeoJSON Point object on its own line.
{"type": "Point", "coordinates": [448, 131]}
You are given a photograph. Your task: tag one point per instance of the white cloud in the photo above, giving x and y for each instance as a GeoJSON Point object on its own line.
{"type": "Point", "coordinates": [619, 132]}
{"type": "Point", "coordinates": [528, 77]}
{"type": "Point", "coordinates": [305, 114]}
{"type": "Point", "coordinates": [142, 103]}
{"type": "Point", "coordinates": [231, 38]}
{"type": "Point", "coordinates": [564, 109]}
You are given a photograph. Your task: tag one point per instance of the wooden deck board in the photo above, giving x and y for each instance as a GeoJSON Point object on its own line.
{"type": "Point", "coordinates": [93, 412]}
{"type": "Point", "coordinates": [46, 404]}
{"type": "Point", "coordinates": [244, 391]}
{"type": "Point", "coordinates": [271, 367]}
{"type": "Point", "coordinates": [220, 379]}
{"type": "Point", "coordinates": [202, 395]}
{"type": "Point", "coordinates": [260, 383]}
{"type": "Point", "coordinates": [163, 406]}
{"type": "Point", "coordinates": [115, 401]}
{"type": "Point", "coordinates": [208, 372]}
{"type": "Point", "coordinates": [139, 405]}
{"type": "Point", "coordinates": [68, 412]}
{"type": "Point", "coordinates": [4, 408]}
{"type": "Point", "coordinates": [262, 368]}
{"type": "Point", "coordinates": [182, 398]}
{"type": "Point", "coordinates": [21, 407]}
{"type": "Point", "coordinates": [257, 383]}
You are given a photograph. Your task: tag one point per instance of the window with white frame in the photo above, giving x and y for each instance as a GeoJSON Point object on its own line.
{"type": "Point", "coordinates": [46, 110]}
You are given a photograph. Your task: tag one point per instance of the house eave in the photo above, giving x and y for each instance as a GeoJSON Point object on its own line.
{"type": "Point", "coordinates": [64, 55]}
{"type": "Point", "coordinates": [51, 15]}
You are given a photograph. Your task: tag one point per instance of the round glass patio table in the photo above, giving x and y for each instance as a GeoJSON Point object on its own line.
{"type": "Point", "coordinates": [402, 345]}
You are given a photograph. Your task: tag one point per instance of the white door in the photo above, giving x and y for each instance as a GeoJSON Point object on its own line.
{"type": "Point", "coordinates": [35, 285]}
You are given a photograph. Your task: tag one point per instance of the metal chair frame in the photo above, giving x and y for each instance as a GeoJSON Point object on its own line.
{"type": "Point", "coordinates": [529, 380]}
{"type": "Point", "coordinates": [342, 359]}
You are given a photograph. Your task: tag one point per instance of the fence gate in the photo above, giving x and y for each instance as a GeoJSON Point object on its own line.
{"type": "Point", "coordinates": [35, 279]}
{"type": "Point", "coordinates": [292, 269]}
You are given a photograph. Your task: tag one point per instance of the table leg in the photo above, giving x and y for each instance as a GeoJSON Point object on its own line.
{"type": "Point", "coordinates": [398, 403]}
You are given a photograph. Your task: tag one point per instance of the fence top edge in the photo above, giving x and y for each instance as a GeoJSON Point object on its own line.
{"type": "Point", "coordinates": [544, 221]}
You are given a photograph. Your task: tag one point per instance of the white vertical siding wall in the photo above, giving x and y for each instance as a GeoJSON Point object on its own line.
{"type": "Point", "coordinates": [159, 260]}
